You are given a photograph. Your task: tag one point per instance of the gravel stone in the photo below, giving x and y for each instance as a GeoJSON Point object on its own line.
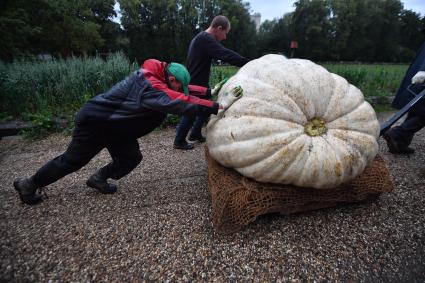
{"type": "Point", "coordinates": [157, 227]}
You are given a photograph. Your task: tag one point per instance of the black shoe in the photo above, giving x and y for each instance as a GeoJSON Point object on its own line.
{"type": "Point", "coordinates": [99, 182]}
{"type": "Point", "coordinates": [394, 148]}
{"type": "Point", "coordinates": [183, 146]}
{"type": "Point", "coordinates": [200, 138]}
{"type": "Point", "coordinates": [27, 191]}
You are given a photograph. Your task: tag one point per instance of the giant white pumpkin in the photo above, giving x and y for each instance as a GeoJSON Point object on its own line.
{"type": "Point", "coordinates": [295, 124]}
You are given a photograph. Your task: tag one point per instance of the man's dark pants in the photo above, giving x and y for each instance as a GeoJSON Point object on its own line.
{"type": "Point", "coordinates": [186, 123]}
{"type": "Point", "coordinates": [120, 139]}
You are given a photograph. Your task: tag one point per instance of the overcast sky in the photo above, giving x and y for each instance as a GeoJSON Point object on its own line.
{"type": "Point", "coordinates": [270, 9]}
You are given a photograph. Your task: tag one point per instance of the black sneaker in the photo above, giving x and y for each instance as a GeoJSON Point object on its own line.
{"type": "Point", "coordinates": [27, 191]}
{"type": "Point", "coordinates": [394, 148]}
{"type": "Point", "coordinates": [183, 146]}
{"type": "Point", "coordinates": [200, 138]}
{"type": "Point", "coordinates": [99, 182]}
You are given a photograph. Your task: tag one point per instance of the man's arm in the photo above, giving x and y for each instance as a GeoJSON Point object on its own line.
{"type": "Point", "coordinates": [217, 51]}
{"type": "Point", "coordinates": [170, 101]}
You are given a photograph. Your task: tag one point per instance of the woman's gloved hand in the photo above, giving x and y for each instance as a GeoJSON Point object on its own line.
{"type": "Point", "coordinates": [419, 78]}
{"type": "Point", "coordinates": [225, 100]}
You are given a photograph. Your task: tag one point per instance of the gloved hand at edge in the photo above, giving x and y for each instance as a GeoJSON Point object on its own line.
{"type": "Point", "coordinates": [419, 78]}
{"type": "Point", "coordinates": [228, 98]}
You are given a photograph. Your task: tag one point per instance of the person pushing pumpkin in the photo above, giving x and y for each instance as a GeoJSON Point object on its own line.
{"type": "Point", "coordinates": [115, 120]}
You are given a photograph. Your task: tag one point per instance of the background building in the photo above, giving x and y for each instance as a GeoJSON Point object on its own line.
{"type": "Point", "coordinates": [256, 18]}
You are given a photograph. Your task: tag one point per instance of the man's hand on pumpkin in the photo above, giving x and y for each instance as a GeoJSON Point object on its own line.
{"type": "Point", "coordinates": [218, 87]}
{"type": "Point", "coordinates": [228, 98]}
{"type": "Point", "coordinates": [237, 91]}
{"type": "Point", "coordinates": [419, 78]}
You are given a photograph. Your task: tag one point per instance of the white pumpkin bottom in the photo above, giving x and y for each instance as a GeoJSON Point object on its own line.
{"type": "Point", "coordinates": [263, 134]}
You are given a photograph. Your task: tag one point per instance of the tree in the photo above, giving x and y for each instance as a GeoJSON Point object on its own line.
{"type": "Point", "coordinates": [15, 28]}
{"type": "Point", "coordinates": [102, 13]}
{"type": "Point", "coordinates": [275, 36]}
{"type": "Point", "coordinates": [312, 28]}
{"type": "Point", "coordinates": [58, 27]}
{"type": "Point", "coordinates": [349, 24]}
{"type": "Point", "coordinates": [163, 29]}
{"type": "Point", "coordinates": [243, 35]}
{"type": "Point", "coordinates": [411, 35]}
{"type": "Point", "coordinates": [382, 32]}
{"type": "Point", "coordinates": [151, 27]}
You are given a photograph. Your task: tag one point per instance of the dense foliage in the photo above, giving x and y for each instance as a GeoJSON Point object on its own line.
{"type": "Point", "coordinates": [57, 27]}
{"type": "Point", "coordinates": [361, 30]}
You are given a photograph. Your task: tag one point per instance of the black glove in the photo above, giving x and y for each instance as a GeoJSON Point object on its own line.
{"type": "Point", "coordinates": [208, 95]}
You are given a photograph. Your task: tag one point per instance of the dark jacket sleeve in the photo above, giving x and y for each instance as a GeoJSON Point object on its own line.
{"type": "Point", "coordinates": [160, 101]}
{"type": "Point", "coordinates": [403, 96]}
{"type": "Point", "coordinates": [217, 51]}
{"type": "Point", "coordinates": [135, 97]}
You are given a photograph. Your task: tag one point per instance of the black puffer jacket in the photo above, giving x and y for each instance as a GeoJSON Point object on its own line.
{"type": "Point", "coordinates": [139, 103]}
{"type": "Point", "coordinates": [136, 98]}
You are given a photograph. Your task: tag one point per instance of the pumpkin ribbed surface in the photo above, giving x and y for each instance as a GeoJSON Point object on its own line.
{"type": "Point", "coordinates": [295, 124]}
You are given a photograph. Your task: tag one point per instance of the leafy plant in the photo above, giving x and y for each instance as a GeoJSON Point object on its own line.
{"type": "Point", "coordinates": [58, 86]}
{"type": "Point", "coordinates": [371, 79]}
{"type": "Point", "coordinates": [42, 124]}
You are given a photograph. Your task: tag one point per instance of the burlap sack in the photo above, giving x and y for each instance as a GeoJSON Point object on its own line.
{"type": "Point", "coordinates": [238, 200]}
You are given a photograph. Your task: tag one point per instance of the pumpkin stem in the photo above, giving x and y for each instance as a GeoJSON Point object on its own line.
{"type": "Point", "coordinates": [315, 127]}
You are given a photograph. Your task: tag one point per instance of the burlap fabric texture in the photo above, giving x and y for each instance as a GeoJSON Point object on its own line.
{"type": "Point", "coordinates": [238, 200]}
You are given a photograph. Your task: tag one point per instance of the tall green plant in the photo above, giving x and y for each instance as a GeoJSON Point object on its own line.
{"type": "Point", "coordinates": [58, 86]}
{"type": "Point", "coordinates": [372, 80]}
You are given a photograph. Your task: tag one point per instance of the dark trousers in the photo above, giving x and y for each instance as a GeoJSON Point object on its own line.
{"type": "Point", "coordinates": [88, 140]}
{"type": "Point", "coordinates": [186, 123]}
{"type": "Point", "coordinates": [403, 134]}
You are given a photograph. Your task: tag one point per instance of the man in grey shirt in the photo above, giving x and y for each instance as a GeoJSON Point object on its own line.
{"type": "Point", "coordinates": [204, 47]}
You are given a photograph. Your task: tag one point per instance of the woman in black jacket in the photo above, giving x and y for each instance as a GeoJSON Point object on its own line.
{"type": "Point", "coordinates": [399, 138]}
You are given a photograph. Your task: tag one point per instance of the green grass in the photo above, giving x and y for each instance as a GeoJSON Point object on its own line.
{"type": "Point", "coordinates": [371, 79]}
{"type": "Point", "coordinates": [383, 108]}
{"type": "Point", "coordinates": [218, 73]}
{"type": "Point", "coordinates": [40, 91]}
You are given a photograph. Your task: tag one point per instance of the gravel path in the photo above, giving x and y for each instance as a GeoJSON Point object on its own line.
{"type": "Point", "coordinates": [157, 226]}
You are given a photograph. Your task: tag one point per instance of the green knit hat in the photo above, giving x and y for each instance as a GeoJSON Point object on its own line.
{"type": "Point", "coordinates": [182, 75]}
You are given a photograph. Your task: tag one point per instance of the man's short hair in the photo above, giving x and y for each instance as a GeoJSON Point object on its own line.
{"type": "Point", "coordinates": [220, 21]}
